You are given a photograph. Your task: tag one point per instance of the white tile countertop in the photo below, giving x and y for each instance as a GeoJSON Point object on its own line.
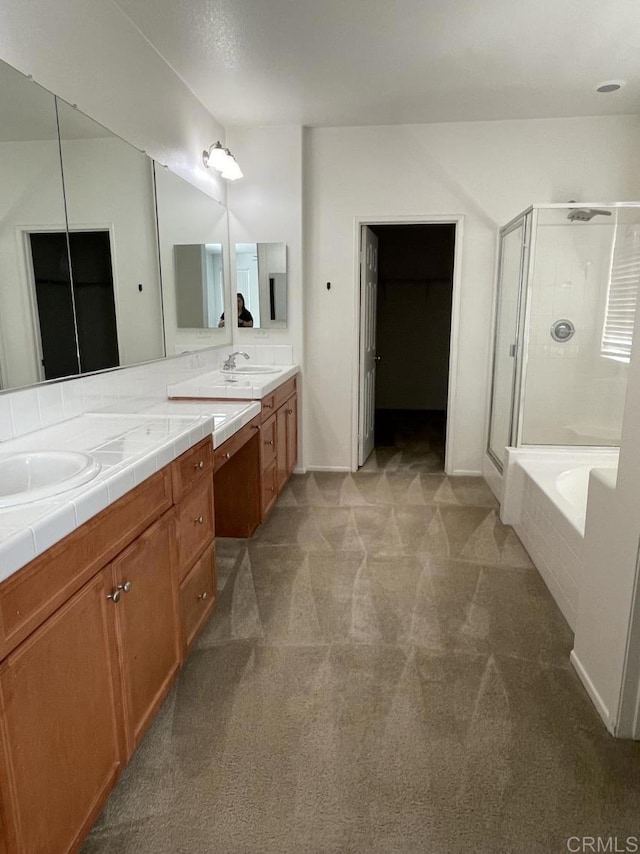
{"type": "Point", "coordinates": [233, 385]}
{"type": "Point", "coordinates": [130, 447]}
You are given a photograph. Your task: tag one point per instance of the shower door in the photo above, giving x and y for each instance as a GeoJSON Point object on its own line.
{"type": "Point", "coordinates": [511, 269]}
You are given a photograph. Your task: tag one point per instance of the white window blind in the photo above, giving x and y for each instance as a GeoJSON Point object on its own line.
{"type": "Point", "coordinates": [622, 294]}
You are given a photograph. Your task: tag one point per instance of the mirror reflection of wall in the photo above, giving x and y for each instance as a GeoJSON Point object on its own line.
{"type": "Point", "coordinates": [199, 285]}
{"type": "Point", "coordinates": [193, 234]}
{"type": "Point", "coordinates": [31, 206]}
{"type": "Point", "coordinates": [109, 196]}
{"type": "Point", "coordinates": [79, 285]}
{"type": "Point", "coordinates": [261, 279]}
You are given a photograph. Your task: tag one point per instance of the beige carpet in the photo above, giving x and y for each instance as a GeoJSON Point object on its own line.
{"type": "Point", "coordinates": [386, 672]}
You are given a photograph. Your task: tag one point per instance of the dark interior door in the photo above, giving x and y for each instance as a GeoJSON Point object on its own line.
{"type": "Point", "coordinates": [95, 304]}
{"type": "Point", "coordinates": [90, 342]}
{"type": "Point", "coordinates": [55, 304]}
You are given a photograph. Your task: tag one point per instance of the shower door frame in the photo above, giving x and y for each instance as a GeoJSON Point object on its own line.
{"type": "Point", "coordinates": [524, 322]}
{"type": "Point", "coordinates": [527, 219]}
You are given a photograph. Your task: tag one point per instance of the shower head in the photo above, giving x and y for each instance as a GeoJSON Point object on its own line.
{"type": "Point", "coordinates": [585, 214]}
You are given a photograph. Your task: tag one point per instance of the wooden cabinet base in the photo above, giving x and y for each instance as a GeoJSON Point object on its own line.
{"type": "Point", "coordinates": [62, 746]}
{"type": "Point", "coordinates": [237, 490]}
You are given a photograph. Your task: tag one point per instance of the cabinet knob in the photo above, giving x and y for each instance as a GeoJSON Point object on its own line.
{"type": "Point", "coordinates": [203, 595]}
{"type": "Point", "coordinates": [115, 596]}
{"type": "Point", "coordinates": [272, 489]}
{"type": "Point", "coordinates": [269, 442]}
{"type": "Point", "coordinates": [199, 520]}
{"type": "Point", "coordinates": [199, 465]}
{"type": "Point", "coordinates": [290, 411]}
{"type": "Point", "coordinates": [227, 454]}
{"type": "Point", "coordinates": [126, 587]}
{"type": "Point", "coordinates": [268, 405]}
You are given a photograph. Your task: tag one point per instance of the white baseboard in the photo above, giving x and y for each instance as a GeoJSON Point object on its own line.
{"type": "Point", "coordinates": [592, 691]}
{"type": "Point", "coordinates": [329, 468]}
{"type": "Point", "coordinates": [464, 473]}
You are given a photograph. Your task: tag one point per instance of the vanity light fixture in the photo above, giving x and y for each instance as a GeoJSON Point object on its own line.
{"type": "Point", "coordinates": [221, 159]}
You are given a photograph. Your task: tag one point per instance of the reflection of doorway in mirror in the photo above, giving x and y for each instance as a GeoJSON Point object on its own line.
{"type": "Point", "coordinates": [215, 283]}
{"type": "Point", "coordinates": [76, 320]}
{"type": "Point", "coordinates": [247, 279]}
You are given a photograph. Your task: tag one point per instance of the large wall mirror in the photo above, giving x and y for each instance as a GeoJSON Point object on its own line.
{"type": "Point", "coordinates": [79, 283]}
{"type": "Point", "coordinates": [31, 205]}
{"type": "Point", "coordinates": [194, 256]}
{"type": "Point", "coordinates": [261, 285]}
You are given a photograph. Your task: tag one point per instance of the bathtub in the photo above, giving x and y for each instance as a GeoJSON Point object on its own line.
{"type": "Point", "coordinates": [545, 500]}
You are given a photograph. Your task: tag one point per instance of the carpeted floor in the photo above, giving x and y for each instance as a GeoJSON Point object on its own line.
{"type": "Point", "coordinates": [385, 672]}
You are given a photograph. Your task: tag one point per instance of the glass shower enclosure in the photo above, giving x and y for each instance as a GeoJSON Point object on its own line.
{"type": "Point", "coordinates": [568, 281]}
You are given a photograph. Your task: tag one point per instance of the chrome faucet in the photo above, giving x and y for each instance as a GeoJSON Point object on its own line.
{"type": "Point", "coordinates": [230, 364]}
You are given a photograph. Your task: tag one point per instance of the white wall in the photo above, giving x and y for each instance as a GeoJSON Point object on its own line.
{"type": "Point", "coordinates": [486, 171]}
{"type": "Point", "coordinates": [89, 53]}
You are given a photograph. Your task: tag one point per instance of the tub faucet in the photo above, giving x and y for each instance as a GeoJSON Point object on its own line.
{"type": "Point", "coordinates": [230, 364]}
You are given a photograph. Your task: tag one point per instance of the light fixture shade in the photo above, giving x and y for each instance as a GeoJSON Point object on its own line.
{"type": "Point", "coordinates": [217, 157]}
{"type": "Point", "coordinates": [232, 171]}
{"type": "Point", "coordinates": [220, 158]}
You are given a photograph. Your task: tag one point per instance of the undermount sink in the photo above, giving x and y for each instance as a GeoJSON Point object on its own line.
{"type": "Point", "coordinates": [255, 369]}
{"type": "Point", "coordinates": [33, 475]}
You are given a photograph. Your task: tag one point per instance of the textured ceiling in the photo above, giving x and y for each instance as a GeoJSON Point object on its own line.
{"type": "Point", "coordinates": [361, 62]}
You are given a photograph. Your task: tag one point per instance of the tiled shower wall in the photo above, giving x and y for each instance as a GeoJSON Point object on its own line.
{"type": "Point", "coordinates": [573, 395]}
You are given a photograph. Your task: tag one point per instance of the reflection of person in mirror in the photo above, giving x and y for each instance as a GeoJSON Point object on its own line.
{"type": "Point", "coordinates": [245, 317]}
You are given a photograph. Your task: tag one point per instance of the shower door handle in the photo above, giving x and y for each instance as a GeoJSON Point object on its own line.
{"type": "Point", "coordinates": [512, 350]}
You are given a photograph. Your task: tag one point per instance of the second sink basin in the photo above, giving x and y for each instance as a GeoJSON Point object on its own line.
{"type": "Point", "coordinates": [255, 369]}
{"type": "Point", "coordinates": [33, 475]}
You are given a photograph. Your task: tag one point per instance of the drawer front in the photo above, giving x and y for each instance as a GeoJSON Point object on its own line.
{"type": "Point", "coordinates": [268, 442]}
{"type": "Point", "coordinates": [284, 392]}
{"type": "Point", "coordinates": [268, 406]}
{"type": "Point", "coordinates": [195, 525]}
{"type": "Point", "coordinates": [269, 488]}
{"type": "Point", "coordinates": [198, 596]}
{"type": "Point", "coordinates": [33, 593]}
{"type": "Point", "coordinates": [192, 467]}
{"type": "Point", "coordinates": [224, 453]}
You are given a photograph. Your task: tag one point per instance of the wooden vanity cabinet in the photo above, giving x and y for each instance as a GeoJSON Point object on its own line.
{"type": "Point", "coordinates": [62, 742]}
{"type": "Point", "coordinates": [278, 442]}
{"type": "Point", "coordinates": [90, 648]}
{"type": "Point", "coordinates": [195, 569]}
{"type": "Point", "coordinates": [147, 621]}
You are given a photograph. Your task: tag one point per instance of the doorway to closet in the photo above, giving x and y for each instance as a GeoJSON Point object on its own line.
{"type": "Point", "coordinates": [407, 275]}
{"type": "Point", "coordinates": [76, 313]}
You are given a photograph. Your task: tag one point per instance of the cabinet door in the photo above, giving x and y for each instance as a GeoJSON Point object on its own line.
{"type": "Point", "coordinates": [291, 409]}
{"type": "Point", "coordinates": [281, 443]}
{"type": "Point", "coordinates": [147, 620]}
{"type": "Point", "coordinates": [62, 746]}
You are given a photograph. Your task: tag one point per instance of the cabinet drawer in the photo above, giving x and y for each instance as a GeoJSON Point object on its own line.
{"type": "Point", "coordinates": [195, 525]}
{"type": "Point", "coordinates": [269, 488]}
{"type": "Point", "coordinates": [224, 453]}
{"type": "Point", "coordinates": [198, 596]}
{"type": "Point", "coordinates": [192, 467]}
{"type": "Point", "coordinates": [32, 594]}
{"type": "Point", "coordinates": [268, 442]}
{"type": "Point", "coordinates": [284, 392]}
{"type": "Point", "coordinates": [268, 405]}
